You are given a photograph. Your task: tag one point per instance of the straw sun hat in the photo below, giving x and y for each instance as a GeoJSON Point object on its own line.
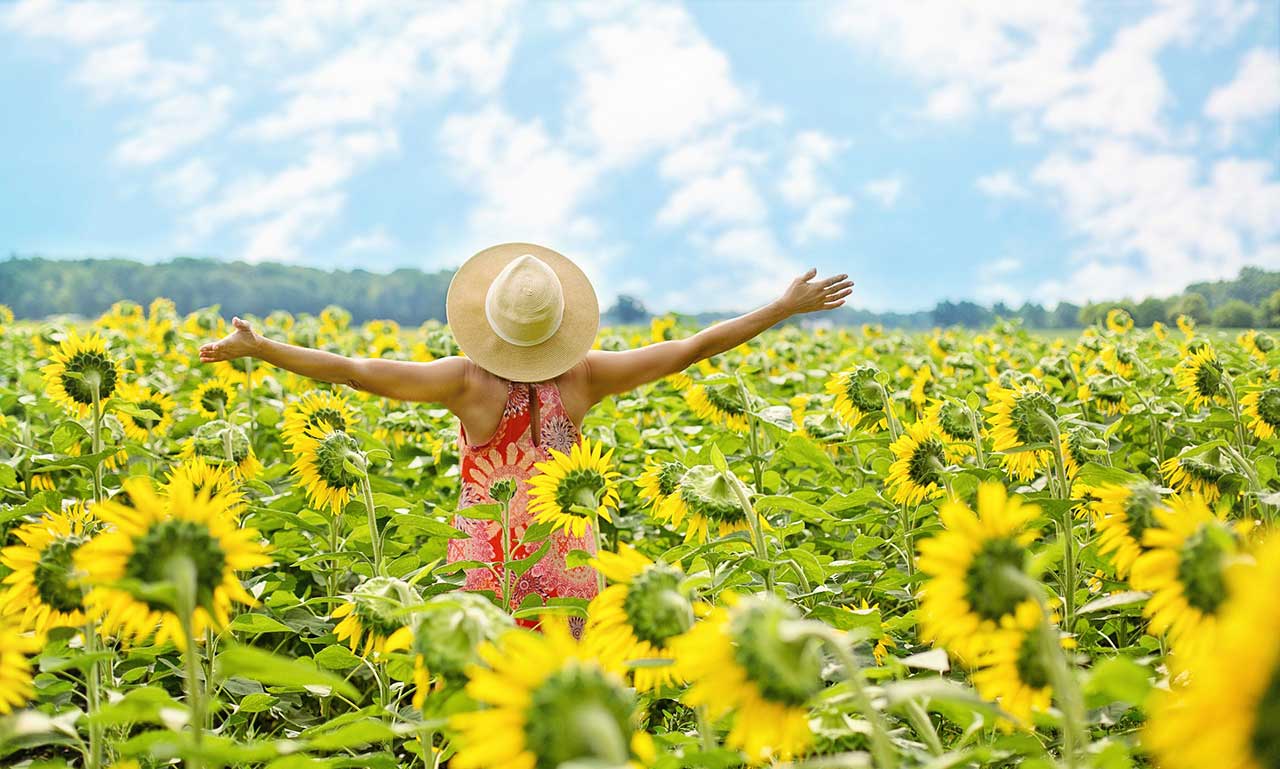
{"type": "Point", "coordinates": [522, 311]}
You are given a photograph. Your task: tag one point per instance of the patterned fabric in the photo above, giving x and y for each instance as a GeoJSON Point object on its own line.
{"type": "Point", "coordinates": [511, 453]}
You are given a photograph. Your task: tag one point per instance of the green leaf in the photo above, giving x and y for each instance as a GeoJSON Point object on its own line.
{"type": "Point", "coordinates": [1094, 474]}
{"type": "Point", "coordinates": [422, 524]}
{"type": "Point", "coordinates": [717, 459]}
{"type": "Point", "coordinates": [336, 657]}
{"type": "Point", "coordinates": [1118, 679]}
{"type": "Point", "coordinates": [575, 558]}
{"type": "Point", "coordinates": [520, 566]}
{"type": "Point", "coordinates": [273, 669]}
{"type": "Point", "coordinates": [255, 623]}
{"type": "Point", "coordinates": [1124, 598]}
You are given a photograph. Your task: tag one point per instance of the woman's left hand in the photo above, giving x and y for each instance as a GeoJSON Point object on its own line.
{"type": "Point", "coordinates": [807, 294]}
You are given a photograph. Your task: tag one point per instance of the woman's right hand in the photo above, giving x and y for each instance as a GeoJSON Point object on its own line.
{"type": "Point", "coordinates": [240, 343]}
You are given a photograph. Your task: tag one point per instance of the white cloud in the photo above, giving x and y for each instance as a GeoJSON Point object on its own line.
{"type": "Point", "coordinates": [1002, 266]}
{"type": "Point", "coordinates": [173, 124]}
{"type": "Point", "coordinates": [953, 101]}
{"type": "Point", "coordinates": [886, 191]}
{"type": "Point", "coordinates": [78, 23]}
{"type": "Point", "coordinates": [823, 211]}
{"type": "Point", "coordinates": [373, 241]}
{"type": "Point", "coordinates": [824, 220]}
{"type": "Point", "coordinates": [1253, 93]}
{"type": "Point", "coordinates": [189, 183]}
{"type": "Point", "coordinates": [727, 198]}
{"type": "Point", "coordinates": [277, 237]}
{"type": "Point", "coordinates": [1001, 184]}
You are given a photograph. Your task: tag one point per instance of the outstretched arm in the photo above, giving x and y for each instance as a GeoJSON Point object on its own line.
{"type": "Point", "coordinates": [440, 381]}
{"type": "Point", "coordinates": [609, 373]}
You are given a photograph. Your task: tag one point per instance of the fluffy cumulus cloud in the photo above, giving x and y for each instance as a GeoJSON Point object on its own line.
{"type": "Point", "coordinates": [1253, 94]}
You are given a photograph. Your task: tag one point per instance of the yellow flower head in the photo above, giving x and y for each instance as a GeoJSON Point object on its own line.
{"type": "Point", "coordinates": [1018, 416]}
{"type": "Point", "coordinates": [1122, 514]}
{"type": "Point", "coordinates": [214, 397]}
{"type": "Point", "coordinates": [311, 409]}
{"type": "Point", "coordinates": [140, 428]}
{"type": "Point", "coordinates": [41, 591]}
{"type": "Point", "coordinates": [225, 444]}
{"type": "Point", "coordinates": [639, 614]}
{"type": "Point", "coordinates": [321, 467]}
{"type": "Point", "coordinates": [857, 394]}
{"type": "Point", "coordinates": [1011, 669]}
{"type": "Point", "coordinates": [548, 701]}
{"type": "Point", "coordinates": [373, 615]}
{"type": "Point", "coordinates": [703, 502]}
{"type": "Point", "coordinates": [1262, 410]}
{"type": "Point", "coordinates": [659, 480]}
{"type": "Point", "coordinates": [570, 489]}
{"type": "Point", "coordinates": [969, 590]}
{"type": "Point", "coordinates": [15, 667]}
{"type": "Point", "coordinates": [142, 545]}
{"type": "Point", "coordinates": [1199, 376]}
{"type": "Point", "coordinates": [1119, 321]}
{"type": "Point", "coordinates": [197, 475]}
{"type": "Point", "coordinates": [720, 404]}
{"type": "Point", "coordinates": [918, 471]}
{"type": "Point", "coordinates": [80, 363]}
{"type": "Point", "coordinates": [1192, 474]}
{"type": "Point", "coordinates": [953, 421]}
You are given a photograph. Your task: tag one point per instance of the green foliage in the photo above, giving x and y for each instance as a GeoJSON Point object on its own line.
{"type": "Point", "coordinates": [1235, 313]}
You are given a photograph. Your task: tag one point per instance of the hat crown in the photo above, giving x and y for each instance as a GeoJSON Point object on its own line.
{"type": "Point", "coordinates": [525, 302]}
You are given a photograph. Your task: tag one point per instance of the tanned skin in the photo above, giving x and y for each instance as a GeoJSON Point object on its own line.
{"type": "Point", "coordinates": [477, 397]}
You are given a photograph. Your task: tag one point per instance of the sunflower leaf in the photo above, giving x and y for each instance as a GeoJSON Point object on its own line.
{"type": "Point", "coordinates": [274, 669]}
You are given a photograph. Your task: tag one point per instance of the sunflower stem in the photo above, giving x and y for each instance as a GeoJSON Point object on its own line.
{"type": "Point", "coordinates": [891, 419]}
{"type": "Point", "coordinates": [331, 579]}
{"type": "Point", "coordinates": [95, 440]}
{"type": "Point", "coordinates": [706, 734]}
{"type": "Point", "coordinates": [977, 437]}
{"type": "Point", "coordinates": [184, 573]}
{"type": "Point", "coordinates": [375, 536]}
{"type": "Point", "coordinates": [595, 532]}
{"type": "Point", "coordinates": [1066, 526]}
{"type": "Point", "coordinates": [93, 687]}
{"type": "Point", "coordinates": [1241, 443]}
{"type": "Point", "coordinates": [882, 750]}
{"type": "Point", "coordinates": [506, 555]}
{"type": "Point", "coordinates": [753, 440]}
{"type": "Point", "coordinates": [755, 522]}
{"type": "Point", "coordinates": [248, 388]}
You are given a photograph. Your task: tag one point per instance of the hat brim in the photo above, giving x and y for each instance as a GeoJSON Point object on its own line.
{"type": "Point", "coordinates": [464, 308]}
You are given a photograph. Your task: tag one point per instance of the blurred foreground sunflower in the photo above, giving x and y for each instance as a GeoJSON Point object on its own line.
{"type": "Point", "coordinates": [41, 590]}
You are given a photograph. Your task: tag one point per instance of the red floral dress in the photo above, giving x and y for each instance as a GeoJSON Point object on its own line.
{"type": "Point", "coordinates": [511, 453]}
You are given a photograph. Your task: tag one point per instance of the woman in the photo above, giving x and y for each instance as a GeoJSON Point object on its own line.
{"type": "Point", "coordinates": [526, 319]}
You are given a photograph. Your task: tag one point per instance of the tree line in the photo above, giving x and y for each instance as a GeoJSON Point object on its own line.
{"type": "Point", "coordinates": [36, 287]}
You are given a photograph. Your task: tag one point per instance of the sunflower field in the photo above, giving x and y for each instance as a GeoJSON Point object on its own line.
{"type": "Point", "coordinates": [827, 548]}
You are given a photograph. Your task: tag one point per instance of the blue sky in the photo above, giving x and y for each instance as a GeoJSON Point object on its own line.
{"type": "Point", "coordinates": [695, 155]}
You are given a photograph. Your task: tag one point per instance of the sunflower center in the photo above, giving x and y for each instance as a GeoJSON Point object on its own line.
{"type": "Point", "coordinates": [577, 714]}
{"type": "Point", "coordinates": [153, 551]}
{"type": "Point", "coordinates": [1027, 419]}
{"type": "Point", "coordinates": [331, 454]}
{"type": "Point", "coordinates": [785, 670]}
{"type": "Point", "coordinates": [581, 486]}
{"type": "Point", "coordinates": [1265, 739]}
{"type": "Point", "coordinates": [955, 422]}
{"type": "Point", "coordinates": [655, 608]}
{"type": "Point", "coordinates": [1139, 509]}
{"type": "Point", "coordinates": [991, 593]}
{"type": "Point", "coordinates": [91, 366]}
{"type": "Point", "coordinates": [214, 398]}
{"type": "Point", "coordinates": [725, 399]}
{"type": "Point", "coordinates": [52, 575]}
{"type": "Point", "coordinates": [1031, 668]}
{"type": "Point", "coordinates": [330, 415]}
{"type": "Point", "coordinates": [210, 445]}
{"type": "Point", "coordinates": [1269, 406]}
{"type": "Point", "coordinates": [1200, 567]}
{"type": "Point", "coordinates": [707, 493]}
{"type": "Point", "coordinates": [926, 462]}
{"type": "Point", "coordinates": [1209, 378]}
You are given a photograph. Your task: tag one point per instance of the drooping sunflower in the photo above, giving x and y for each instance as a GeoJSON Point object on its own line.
{"type": "Point", "coordinates": [922, 387]}
{"type": "Point", "coordinates": [739, 660]}
{"type": "Point", "coordinates": [857, 394]}
{"type": "Point", "coordinates": [1189, 554]}
{"type": "Point", "coordinates": [1159, 330]}
{"type": "Point", "coordinates": [1262, 409]}
{"type": "Point", "coordinates": [637, 616]}
{"type": "Point", "coordinates": [1011, 669]}
{"type": "Point", "coordinates": [1199, 376]}
{"type": "Point", "coordinates": [1122, 514]}
{"type": "Point", "coordinates": [703, 501]}
{"type": "Point", "coordinates": [719, 404]}
{"type": "Point", "coordinates": [548, 702]}
{"type": "Point", "coordinates": [659, 480]}
{"type": "Point", "coordinates": [78, 363]}
{"type": "Point", "coordinates": [568, 487]}
{"type": "Point", "coordinates": [1017, 421]}
{"type": "Point", "coordinates": [1192, 474]}
{"type": "Point", "coordinates": [139, 428]}
{"type": "Point", "coordinates": [919, 468]}
{"type": "Point", "coordinates": [142, 543]}
{"type": "Point", "coordinates": [952, 419]}
{"type": "Point", "coordinates": [446, 637]}
{"type": "Point", "coordinates": [1256, 344]}
{"type": "Point", "coordinates": [209, 442]}
{"type": "Point", "coordinates": [213, 397]}
{"type": "Point", "coordinates": [41, 592]}
{"type": "Point", "coordinates": [1227, 716]}
{"type": "Point", "coordinates": [15, 667]}
{"type": "Point", "coordinates": [1105, 392]}
{"type": "Point", "coordinates": [312, 408]}
{"type": "Point", "coordinates": [968, 592]}
{"type": "Point", "coordinates": [1187, 325]}
{"type": "Point", "coordinates": [199, 475]}
{"type": "Point", "coordinates": [322, 452]}
{"type": "Point", "coordinates": [1119, 321]}
{"type": "Point", "coordinates": [373, 614]}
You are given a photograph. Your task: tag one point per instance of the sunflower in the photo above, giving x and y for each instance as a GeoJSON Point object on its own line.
{"type": "Point", "coordinates": [1187, 325]}
{"type": "Point", "coordinates": [41, 587]}
{"type": "Point", "coordinates": [323, 454]}
{"type": "Point", "coordinates": [952, 420]}
{"type": "Point", "coordinates": [570, 489]}
{"type": "Point", "coordinates": [659, 480]}
{"type": "Point", "coordinates": [857, 394]}
{"type": "Point", "coordinates": [1228, 716]}
{"type": "Point", "coordinates": [139, 428]}
{"type": "Point", "coordinates": [140, 546]}
{"type": "Point", "coordinates": [922, 386]}
{"type": "Point", "coordinates": [918, 471]}
{"type": "Point", "coordinates": [1159, 330]}
{"type": "Point", "coordinates": [740, 660]}
{"type": "Point", "coordinates": [446, 637]}
{"type": "Point", "coordinates": [661, 328]}
{"type": "Point", "coordinates": [373, 614]}
{"type": "Point", "coordinates": [968, 592]}
{"type": "Point", "coordinates": [209, 442]}
{"type": "Point", "coordinates": [637, 616]}
{"type": "Point", "coordinates": [718, 404]}
{"type": "Point", "coordinates": [1255, 344]}
{"type": "Point", "coordinates": [1262, 409]}
{"type": "Point", "coordinates": [704, 497]}
{"type": "Point", "coordinates": [549, 702]}
{"type": "Point", "coordinates": [77, 364]}
{"type": "Point", "coordinates": [15, 668]}
{"type": "Point", "coordinates": [1189, 553]}
{"type": "Point", "coordinates": [1199, 376]}
{"type": "Point", "coordinates": [1191, 474]}
{"type": "Point", "coordinates": [312, 408]}
{"type": "Point", "coordinates": [213, 397]}
{"type": "Point", "coordinates": [1011, 669]}
{"type": "Point", "coordinates": [1119, 320]}
{"type": "Point", "coordinates": [1122, 514]}
{"type": "Point", "coordinates": [198, 475]}
{"type": "Point", "coordinates": [1018, 416]}
{"type": "Point", "coordinates": [1105, 392]}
